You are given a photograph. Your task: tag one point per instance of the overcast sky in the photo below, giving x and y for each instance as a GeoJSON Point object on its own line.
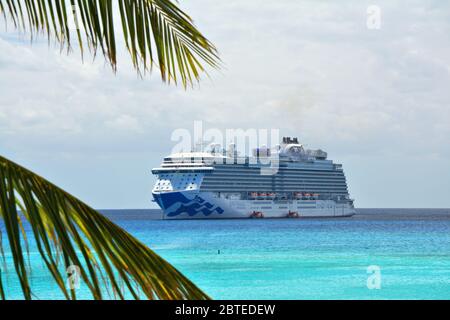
{"type": "Point", "coordinates": [378, 100]}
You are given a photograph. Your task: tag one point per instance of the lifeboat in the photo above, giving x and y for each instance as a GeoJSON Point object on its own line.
{"type": "Point", "coordinates": [257, 214]}
{"type": "Point", "coordinates": [298, 195]}
{"type": "Point", "coordinates": [293, 214]}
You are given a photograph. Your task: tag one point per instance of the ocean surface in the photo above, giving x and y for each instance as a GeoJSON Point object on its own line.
{"type": "Point", "coordinates": [405, 253]}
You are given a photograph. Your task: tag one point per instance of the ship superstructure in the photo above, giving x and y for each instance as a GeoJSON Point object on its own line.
{"type": "Point", "coordinates": [286, 181]}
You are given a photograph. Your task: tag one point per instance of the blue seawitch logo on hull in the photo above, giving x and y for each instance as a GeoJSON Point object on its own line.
{"type": "Point", "coordinates": [175, 203]}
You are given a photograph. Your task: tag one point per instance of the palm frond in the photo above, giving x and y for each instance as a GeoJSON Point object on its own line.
{"type": "Point", "coordinates": [67, 232]}
{"type": "Point", "coordinates": [156, 32]}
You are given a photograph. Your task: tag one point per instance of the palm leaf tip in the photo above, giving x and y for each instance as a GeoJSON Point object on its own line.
{"type": "Point", "coordinates": [156, 32]}
{"type": "Point", "coordinates": [67, 232]}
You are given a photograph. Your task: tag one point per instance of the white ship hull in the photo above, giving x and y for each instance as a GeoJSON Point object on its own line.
{"type": "Point", "coordinates": [207, 205]}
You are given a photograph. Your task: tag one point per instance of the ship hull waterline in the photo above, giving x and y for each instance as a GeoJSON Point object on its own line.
{"type": "Point", "coordinates": [183, 205]}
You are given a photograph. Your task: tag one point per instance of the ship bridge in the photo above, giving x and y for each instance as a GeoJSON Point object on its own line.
{"type": "Point", "coordinates": [184, 171]}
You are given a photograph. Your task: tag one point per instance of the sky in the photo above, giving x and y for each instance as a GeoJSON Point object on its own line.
{"type": "Point", "coordinates": [375, 96]}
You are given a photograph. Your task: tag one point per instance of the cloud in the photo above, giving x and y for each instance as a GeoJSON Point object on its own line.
{"type": "Point", "coordinates": [126, 123]}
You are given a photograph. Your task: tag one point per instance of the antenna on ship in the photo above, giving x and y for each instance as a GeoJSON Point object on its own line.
{"type": "Point", "coordinates": [290, 140]}
{"type": "Point", "coordinates": [200, 145]}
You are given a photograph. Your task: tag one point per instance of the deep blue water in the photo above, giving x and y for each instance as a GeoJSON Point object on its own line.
{"type": "Point", "coordinates": [294, 258]}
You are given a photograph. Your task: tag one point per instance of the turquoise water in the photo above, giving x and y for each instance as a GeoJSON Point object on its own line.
{"type": "Point", "coordinates": [294, 258]}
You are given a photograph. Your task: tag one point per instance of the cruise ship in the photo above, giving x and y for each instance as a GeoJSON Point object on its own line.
{"type": "Point", "coordinates": [287, 181]}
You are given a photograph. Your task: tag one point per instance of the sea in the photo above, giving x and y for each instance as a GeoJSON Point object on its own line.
{"type": "Point", "coordinates": [376, 254]}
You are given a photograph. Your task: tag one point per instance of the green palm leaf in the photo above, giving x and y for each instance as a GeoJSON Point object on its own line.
{"type": "Point", "coordinates": [68, 232]}
{"type": "Point", "coordinates": [156, 32]}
